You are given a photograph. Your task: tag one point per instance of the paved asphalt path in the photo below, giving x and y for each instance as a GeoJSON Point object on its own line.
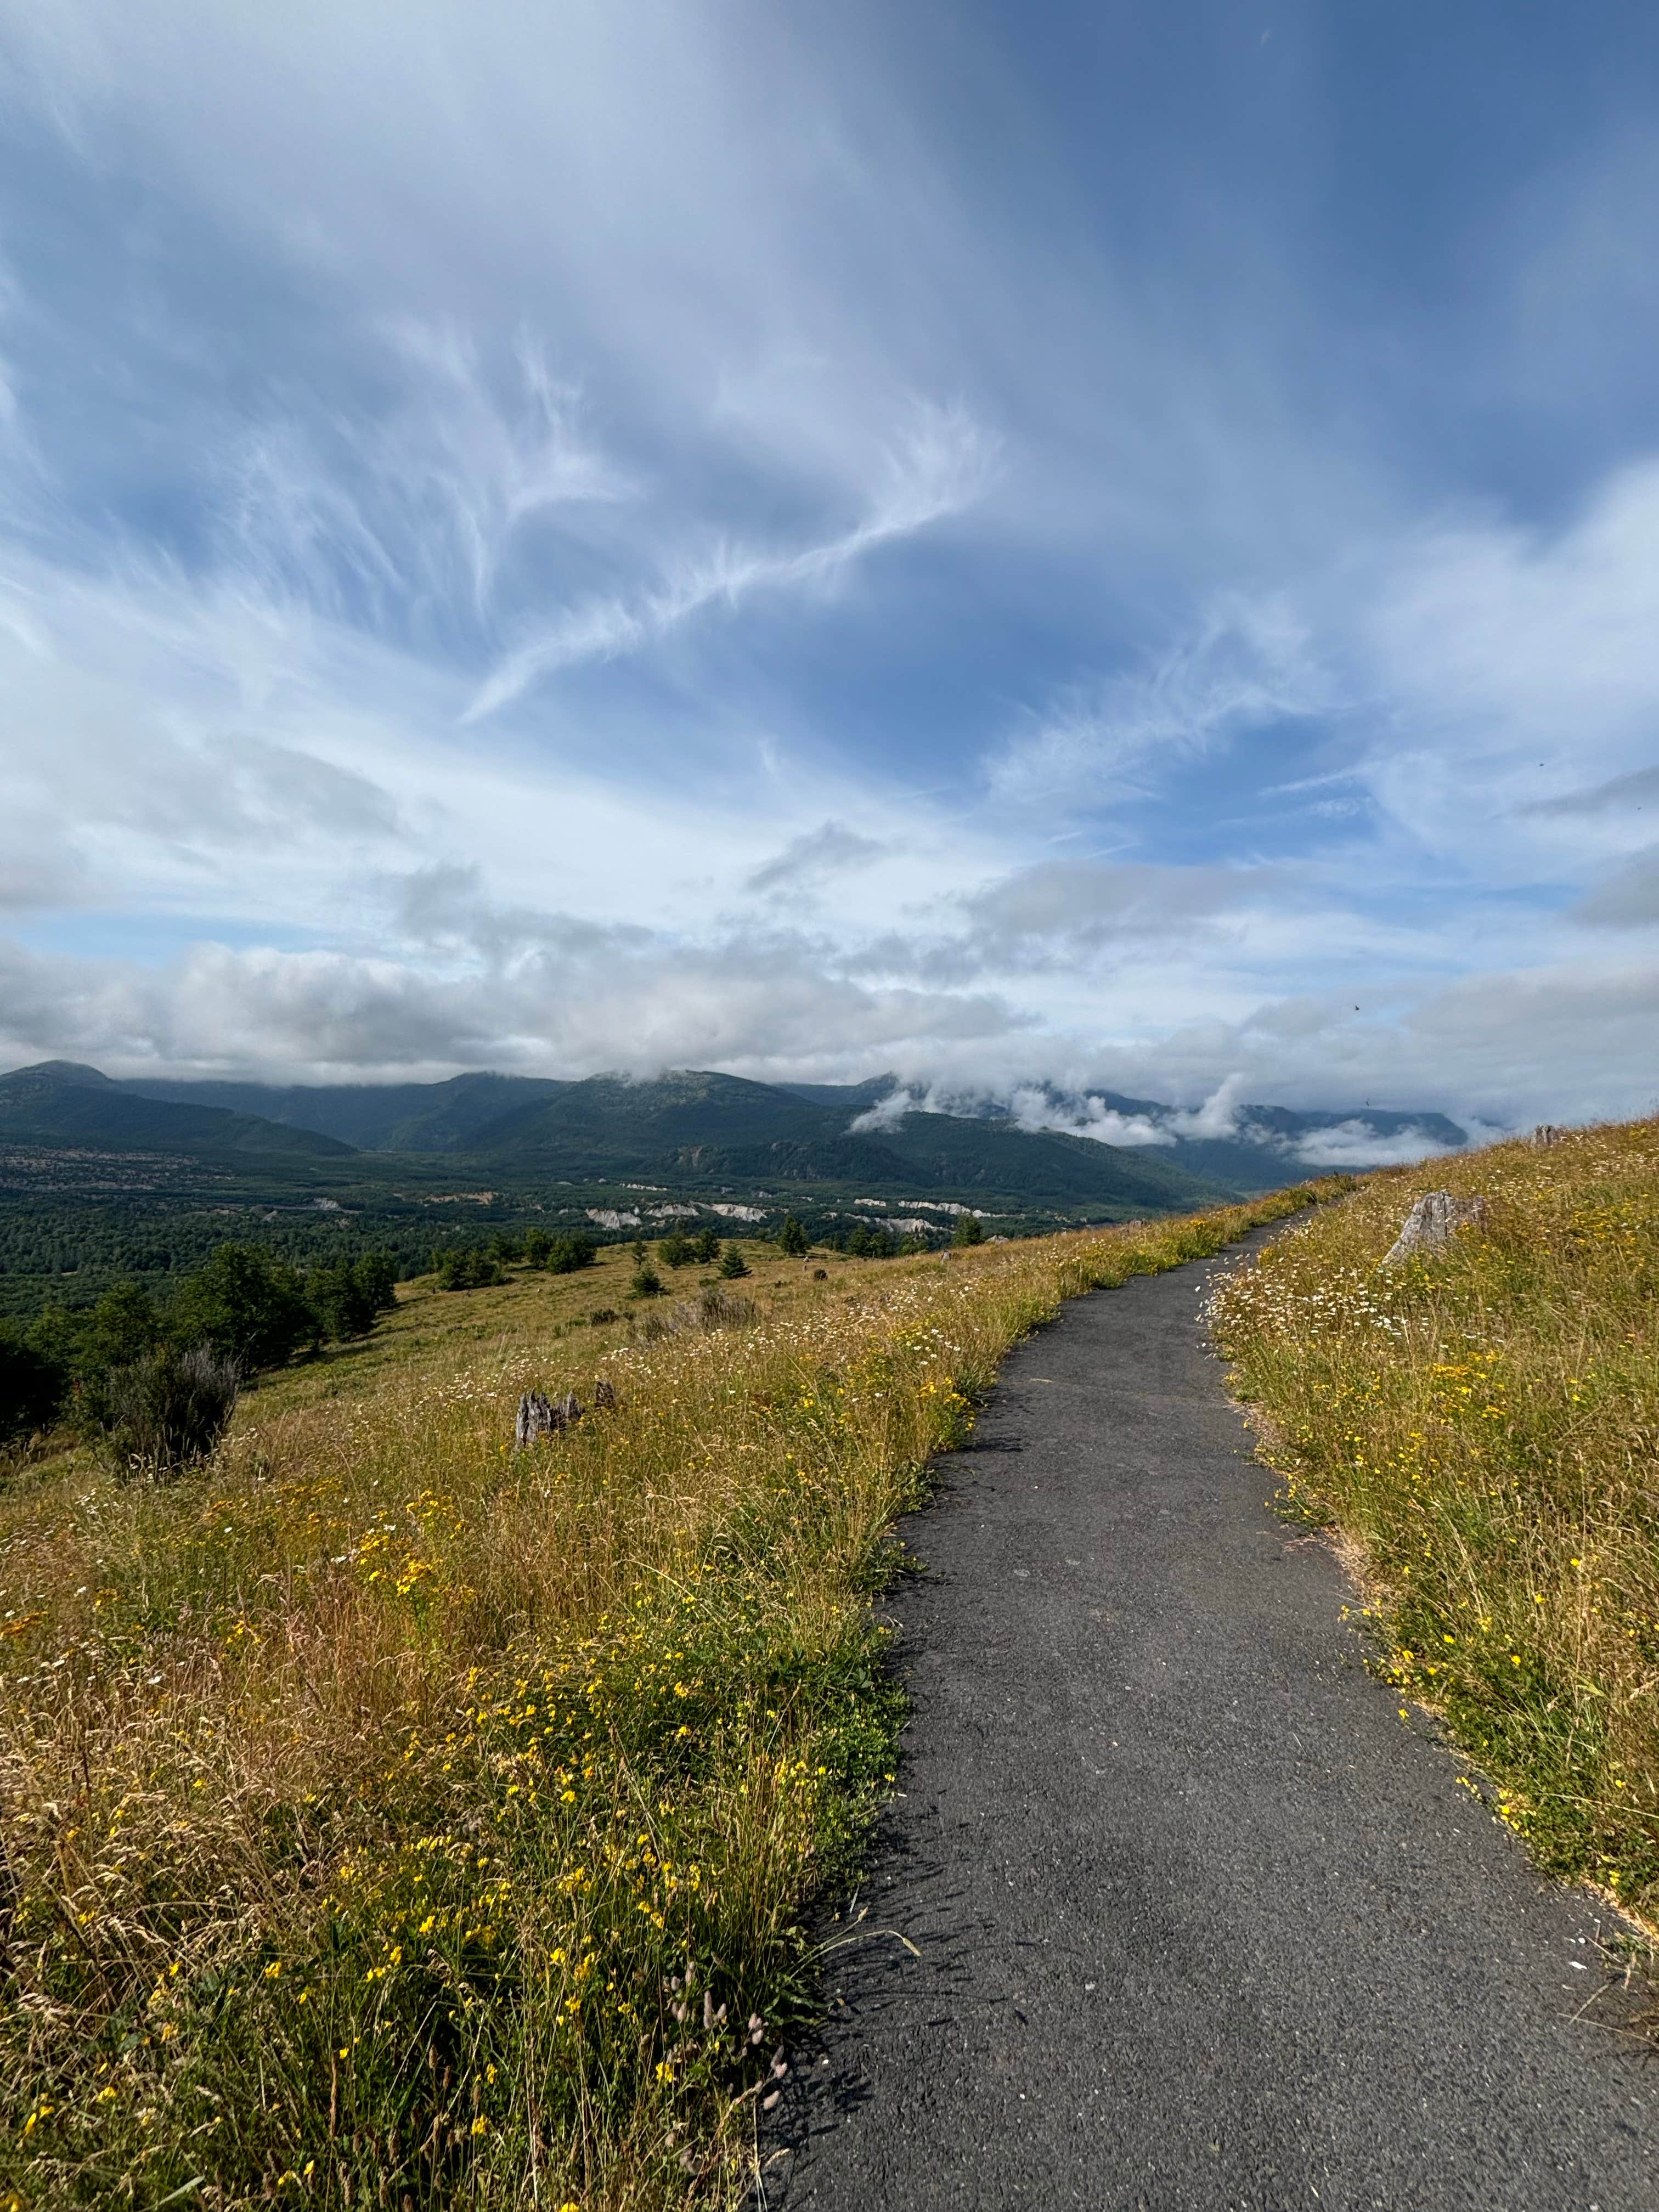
{"type": "Point", "coordinates": [1198, 1921]}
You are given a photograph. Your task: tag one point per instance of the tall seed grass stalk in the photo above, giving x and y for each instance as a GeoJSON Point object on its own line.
{"type": "Point", "coordinates": [1483, 1424]}
{"type": "Point", "coordinates": [396, 1821]}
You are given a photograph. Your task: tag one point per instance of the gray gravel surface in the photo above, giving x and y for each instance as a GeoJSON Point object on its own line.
{"type": "Point", "coordinates": [1197, 1920]}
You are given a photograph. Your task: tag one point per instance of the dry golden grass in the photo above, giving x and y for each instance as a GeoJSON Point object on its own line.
{"type": "Point", "coordinates": [1483, 1426]}
{"type": "Point", "coordinates": [394, 1820]}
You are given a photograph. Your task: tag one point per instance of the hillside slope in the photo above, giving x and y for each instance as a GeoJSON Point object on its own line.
{"type": "Point", "coordinates": [388, 1117]}
{"type": "Point", "coordinates": [943, 1150]}
{"type": "Point", "coordinates": [61, 1104]}
{"type": "Point", "coordinates": [1482, 1423]}
{"type": "Point", "coordinates": [427, 1764]}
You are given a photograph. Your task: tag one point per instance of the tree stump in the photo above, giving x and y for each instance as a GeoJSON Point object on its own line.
{"type": "Point", "coordinates": [1433, 1222]}
{"type": "Point", "coordinates": [605, 1396]}
{"type": "Point", "coordinates": [542, 1416]}
{"type": "Point", "coordinates": [535, 1419]}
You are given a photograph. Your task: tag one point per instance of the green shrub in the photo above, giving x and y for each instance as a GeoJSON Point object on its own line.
{"type": "Point", "coordinates": [348, 1299]}
{"type": "Point", "coordinates": [706, 1247]}
{"type": "Point", "coordinates": [646, 1282]}
{"type": "Point", "coordinates": [170, 1408]}
{"type": "Point", "coordinates": [732, 1264]}
{"type": "Point", "coordinates": [538, 1244]}
{"type": "Point", "coordinates": [676, 1250]}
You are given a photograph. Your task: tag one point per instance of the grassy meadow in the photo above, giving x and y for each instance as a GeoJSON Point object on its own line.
{"type": "Point", "coordinates": [1482, 1426]}
{"type": "Point", "coordinates": [393, 1820]}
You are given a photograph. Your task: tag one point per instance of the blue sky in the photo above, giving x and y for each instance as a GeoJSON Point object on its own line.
{"type": "Point", "coordinates": [1116, 545]}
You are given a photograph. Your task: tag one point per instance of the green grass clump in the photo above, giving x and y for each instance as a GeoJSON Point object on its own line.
{"type": "Point", "coordinates": [1483, 1425]}
{"type": "Point", "coordinates": [397, 1820]}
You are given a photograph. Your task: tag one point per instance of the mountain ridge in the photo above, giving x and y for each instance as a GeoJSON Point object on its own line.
{"type": "Point", "coordinates": [705, 1128]}
{"type": "Point", "coordinates": [65, 1103]}
{"type": "Point", "coordinates": [457, 1113]}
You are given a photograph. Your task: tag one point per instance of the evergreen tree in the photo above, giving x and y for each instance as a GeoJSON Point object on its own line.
{"type": "Point", "coordinates": [465, 1267]}
{"type": "Point", "coordinates": [377, 1276]}
{"type": "Point", "coordinates": [970, 1230]}
{"type": "Point", "coordinates": [732, 1264]}
{"type": "Point", "coordinates": [121, 1328]}
{"type": "Point", "coordinates": [793, 1240]}
{"type": "Point", "coordinates": [248, 1307]}
{"type": "Point", "coordinates": [31, 1386]}
{"type": "Point", "coordinates": [347, 1298]}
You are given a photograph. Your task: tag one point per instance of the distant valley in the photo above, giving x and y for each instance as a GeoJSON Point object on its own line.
{"type": "Point", "coordinates": [100, 1177]}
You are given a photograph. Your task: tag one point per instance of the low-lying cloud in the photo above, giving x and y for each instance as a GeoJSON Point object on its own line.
{"type": "Point", "coordinates": [1034, 1108]}
{"type": "Point", "coordinates": [1355, 1144]}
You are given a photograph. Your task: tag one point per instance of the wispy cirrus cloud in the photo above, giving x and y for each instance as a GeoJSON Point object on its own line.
{"type": "Point", "coordinates": [939, 465]}
{"type": "Point", "coordinates": [1248, 666]}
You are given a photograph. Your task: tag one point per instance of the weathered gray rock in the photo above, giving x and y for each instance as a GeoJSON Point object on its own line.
{"type": "Point", "coordinates": [1546, 1134]}
{"type": "Point", "coordinates": [1433, 1222]}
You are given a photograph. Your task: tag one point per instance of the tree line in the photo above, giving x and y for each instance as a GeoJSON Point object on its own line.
{"type": "Point", "coordinates": [157, 1378]}
{"type": "Point", "coordinates": [475, 1267]}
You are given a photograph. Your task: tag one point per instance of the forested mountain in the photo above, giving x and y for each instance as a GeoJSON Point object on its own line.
{"type": "Point", "coordinates": [695, 1129]}
{"type": "Point", "coordinates": [703, 1126]}
{"type": "Point", "coordinates": [60, 1103]}
{"type": "Point", "coordinates": [379, 1117]}
{"type": "Point", "coordinates": [700, 1121]}
{"type": "Point", "coordinates": [103, 1179]}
